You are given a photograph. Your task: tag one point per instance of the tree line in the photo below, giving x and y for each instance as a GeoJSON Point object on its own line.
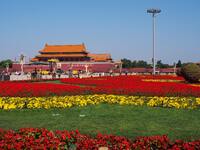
{"type": "Point", "coordinates": [126, 63]}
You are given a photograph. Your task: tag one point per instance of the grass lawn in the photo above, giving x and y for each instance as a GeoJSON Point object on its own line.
{"type": "Point", "coordinates": [129, 121]}
{"type": "Point", "coordinates": [59, 82]}
{"type": "Point", "coordinates": [53, 81]}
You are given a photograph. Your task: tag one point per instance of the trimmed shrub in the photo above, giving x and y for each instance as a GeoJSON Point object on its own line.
{"type": "Point", "coordinates": [191, 72]}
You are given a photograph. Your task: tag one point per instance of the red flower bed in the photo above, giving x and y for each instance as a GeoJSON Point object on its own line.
{"type": "Point", "coordinates": [134, 85]}
{"type": "Point", "coordinates": [23, 89]}
{"type": "Point", "coordinates": [34, 138]}
{"type": "Point", "coordinates": [126, 85]}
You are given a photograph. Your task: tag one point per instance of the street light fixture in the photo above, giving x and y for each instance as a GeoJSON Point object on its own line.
{"type": "Point", "coordinates": [154, 12]}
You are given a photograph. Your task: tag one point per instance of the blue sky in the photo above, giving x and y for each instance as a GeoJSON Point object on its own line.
{"type": "Point", "coordinates": [120, 27]}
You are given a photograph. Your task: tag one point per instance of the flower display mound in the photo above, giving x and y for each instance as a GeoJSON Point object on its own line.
{"type": "Point", "coordinates": [8, 103]}
{"type": "Point", "coordinates": [34, 138]}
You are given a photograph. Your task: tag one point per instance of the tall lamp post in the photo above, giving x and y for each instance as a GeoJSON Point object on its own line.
{"type": "Point", "coordinates": [154, 12]}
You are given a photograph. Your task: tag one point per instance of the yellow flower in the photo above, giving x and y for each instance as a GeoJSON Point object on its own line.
{"type": "Point", "coordinates": [83, 100]}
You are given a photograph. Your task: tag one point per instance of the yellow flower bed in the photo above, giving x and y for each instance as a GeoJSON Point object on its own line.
{"type": "Point", "coordinates": [176, 102]}
{"type": "Point", "coordinates": [195, 85]}
{"type": "Point", "coordinates": [161, 80]}
{"type": "Point", "coordinates": [83, 100]}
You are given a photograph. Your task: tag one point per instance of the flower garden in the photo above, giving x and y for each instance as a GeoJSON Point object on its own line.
{"type": "Point", "coordinates": [141, 110]}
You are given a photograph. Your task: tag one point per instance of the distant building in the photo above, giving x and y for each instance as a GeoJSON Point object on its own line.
{"type": "Point", "coordinates": [100, 57]}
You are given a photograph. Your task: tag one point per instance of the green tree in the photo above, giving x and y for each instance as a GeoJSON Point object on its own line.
{"type": "Point", "coordinates": [161, 65]}
{"type": "Point", "coordinates": [134, 63]}
{"type": "Point", "coordinates": [5, 63]}
{"type": "Point", "coordinates": [179, 64]}
{"type": "Point", "coordinates": [142, 63]}
{"type": "Point", "coordinates": [126, 63]}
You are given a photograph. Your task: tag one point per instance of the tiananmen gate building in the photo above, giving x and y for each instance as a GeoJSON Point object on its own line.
{"type": "Point", "coordinates": [69, 57]}
{"type": "Point", "coordinates": [69, 53]}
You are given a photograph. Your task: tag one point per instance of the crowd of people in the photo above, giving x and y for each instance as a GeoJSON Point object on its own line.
{"type": "Point", "coordinates": [4, 76]}
{"type": "Point", "coordinates": [44, 74]}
